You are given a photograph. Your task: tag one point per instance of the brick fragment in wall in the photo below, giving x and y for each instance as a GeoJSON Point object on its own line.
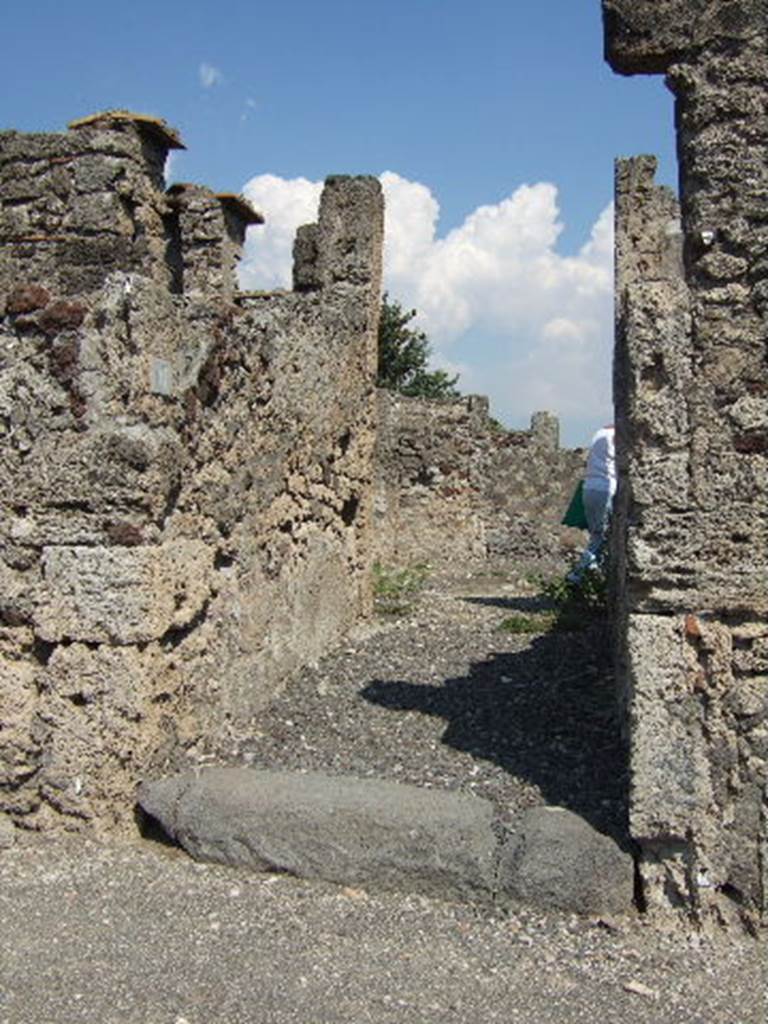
{"type": "Point", "coordinates": [25, 298]}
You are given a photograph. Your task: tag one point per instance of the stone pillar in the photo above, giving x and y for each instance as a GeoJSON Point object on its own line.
{"type": "Point", "coordinates": [211, 231]}
{"type": "Point", "coordinates": [306, 275]}
{"type": "Point", "coordinates": [345, 247]}
{"type": "Point", "coordinates": [479, 409]}
{"type": "Point", "coordinates": [545, 431]}
{"type": "Point", "coordinates": [79, 205]}
{"type": "Point", "coordinates": [692, 422]}
{"type": "Point", "coordinates": [345, 244]}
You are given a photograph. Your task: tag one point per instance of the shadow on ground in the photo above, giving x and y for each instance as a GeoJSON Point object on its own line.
{"type": "Point", "coordinates": [536, 603]}
{"type": "Point", "coordinates": [545, 714]}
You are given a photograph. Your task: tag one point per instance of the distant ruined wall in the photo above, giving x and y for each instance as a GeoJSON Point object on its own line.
{"type": "Point", "coordinates": [186, 505]}
{"type": "Point", "coordinates": [692, 421]}
{"type": "Point", "coordinates": [451, 486]}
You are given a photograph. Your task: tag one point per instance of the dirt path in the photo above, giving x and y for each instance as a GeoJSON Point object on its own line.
{"type": "Point", "coordinates": [445, 697]}
{"type": "Point", "coordinates": [96, 934]}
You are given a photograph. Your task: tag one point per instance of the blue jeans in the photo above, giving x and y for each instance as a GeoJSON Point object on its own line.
{"type": "Point", "coordinates": [598, 503]}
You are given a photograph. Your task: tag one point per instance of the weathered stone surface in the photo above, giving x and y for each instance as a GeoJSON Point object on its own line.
{"type": "Point", "coordinates": [77, 723]}
{"type": "Point", "coordinates": [556, 861]}
{"type": "Point", "coordinates": [345, 255]}
{"type": "Point", "coordinates": [646, 36]}
{"type": "Point", "coordinates": [70, 228]}
{"type": "Point", "coordinates": [210, 238]}
{"type": "Point", "coordinates": [668, 756]}
{"type": "Point", "coordinates": [306, 273]}
{"type": "Point", "coordinates": [354, 831]}
{"type": "Point", "coordinates": [691, 522]}
{"type": "Point", "coordinates": [449, 480]}
{"type": "Point", "coordinates": [20, 746]}
{"type": "Point", "coordinates": [186, 508]}
{"type": "Point", "coordinates": [695, 807]}
{"type": "Point", "coordinates": [122, 595]}
{"type": "Point", "coordinates": [95, 726]}
{"type": "Point", "coordinates": [7, 833]}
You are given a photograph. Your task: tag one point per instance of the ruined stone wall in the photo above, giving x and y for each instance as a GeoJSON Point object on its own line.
{"type": "Point", "coordinates": [186, 501]}
{"type": "Point", "coordinates": [692, 420]}
{"type": "Point", "coordinates": [453, 487]}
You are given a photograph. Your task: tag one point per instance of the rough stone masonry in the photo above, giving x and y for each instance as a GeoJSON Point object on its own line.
{"type": "Point", "coordinates": [188, 507]}
{"type": "Point", "coordinates": [186, 470]}
{"type": "Point", "coordinates": [692, 420]}
{"type": "Point", "coordinates": [450, 485]}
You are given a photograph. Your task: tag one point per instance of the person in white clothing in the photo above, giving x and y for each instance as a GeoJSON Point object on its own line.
{"type": "Point", "coordinates": [599, 490]}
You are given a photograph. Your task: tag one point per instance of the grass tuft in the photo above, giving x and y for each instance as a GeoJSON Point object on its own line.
{"type": "Point", "coordinates": [574, 606]}
{"type": "Point", "coordinates": [395, 589]}
{"type": "Point", "coordinates": [540, 622]}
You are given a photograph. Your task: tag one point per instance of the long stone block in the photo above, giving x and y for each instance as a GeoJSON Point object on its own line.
{"type": "Point", "coordinates": [670, 778]}
{"type": "Point", "coordinates": [646, 36]}
{"type": "Point", "coordinates": [345, 830]}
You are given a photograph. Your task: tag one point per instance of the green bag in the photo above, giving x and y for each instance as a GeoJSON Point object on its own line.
{"type": "Point", "coordinates": [575, 515]}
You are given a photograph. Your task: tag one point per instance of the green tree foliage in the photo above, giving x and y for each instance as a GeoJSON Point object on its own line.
{"type": "Point", "coordinates": [404, 354]}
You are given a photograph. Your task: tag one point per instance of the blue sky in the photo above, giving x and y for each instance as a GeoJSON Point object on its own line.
{"type": "Point", "coordinates": [498, 123]}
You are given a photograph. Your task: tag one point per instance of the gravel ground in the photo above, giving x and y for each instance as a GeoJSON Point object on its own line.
{"type": "Point", "coordinates": [443, 697]}
{"type": "Point", "coordinates": [138, 933]}
{"type": "Point", "coordinates": [134, 934]}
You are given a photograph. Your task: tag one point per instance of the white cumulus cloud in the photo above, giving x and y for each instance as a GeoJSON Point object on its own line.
{"type": "Point", "coordinates": [209, 75]}
{"type": "Point", "coordinates": [286, 204]}
{"type": "Point", "coordinates": [524, 324]}
{"type": "Point", "coordinates": [171, 163]}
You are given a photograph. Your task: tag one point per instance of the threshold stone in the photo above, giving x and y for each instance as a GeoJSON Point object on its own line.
{"type": "Point", "coordinates": [340, 829]}
{"type": "Point", "coordinates": [391, 836]}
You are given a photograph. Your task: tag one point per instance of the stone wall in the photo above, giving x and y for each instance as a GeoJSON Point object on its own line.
{"type": "Point", "coordinates": [186, 502]}
{"type": "Point", "coordinates": [692, 421]}
{"type": "Point", "coordinates": [453, 487]}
